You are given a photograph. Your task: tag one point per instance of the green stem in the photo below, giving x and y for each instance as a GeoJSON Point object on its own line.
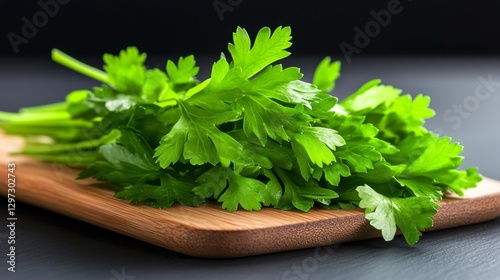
{"type": "Point", "coordinates": [7, 116]}
{"type": "Point", "coordinates": [35, 116]}
{"type": "Point", "coordinates": [87, 70]}
{"type": "Point", "coordinates": [58, 133]}
{"type": "Point", "coordinates": [41, 148]}
{"type": "Point", "coordinates": [54, 107]}
{"type": "Point", "coordinates": [79, 123]}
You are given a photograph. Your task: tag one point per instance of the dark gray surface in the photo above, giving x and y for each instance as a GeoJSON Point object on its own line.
{"type": "Point", "coordinates": [51, 246]}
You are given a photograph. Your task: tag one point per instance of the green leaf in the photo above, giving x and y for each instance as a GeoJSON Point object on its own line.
{"type": "Point", "coordinates": [267, 48]}
{"type": "Point", "coordinates": [184, 72]}
{"type": "Point", "coordinates": [195, 137]}
{"type": "Point", "coordinates": [273, 191]}
{"type": "Point", "coordinates": [440, 154]}
{"type": "Point", "coordinates": [301, 194]}
{"type": "Point", "coordinates": [370, 96]}
{"type": "Point", "coordinates": [317, 147]}
{"type": "Point", "coordinates": [155, 86]}
{"type": "Point", "coordinates": [423, 187]}
{"type": "Point", "coordinates": [128, 161]}
{"type": "Point", "coordinates": [212, 183]}
{"type": "Point", "coordinates": [242, 191]}
{"type": "Point", "coordinates": [324, 108]}
{"type": "Point", "coordinates": [457, 180]}
{"type": "Point", "coordinates": [126, 72]}
{"type": "Point", "coordinates": [382, 173]}
{"type": "Point", "coordinates": [334, 171]}
{"type": "Point", "coordinates": [359, 158]}
{"type": "Point", "coordinates": [430, 159]}
{"type": "Point", "coordinates": [271, 155]}
{"type": "Point", "coordinates": [404, 117]}
{"type": "Point", "coordinates": [225, 86]}
{"type": "Point", "coordinates": [76, 104]}
{"type": "Point", "coordinates": [284, 85]}
{"type": "Point", "coordinates": [103, 100]}
{"type": "Point", "coordinates": [264, 118]}
{"type": "Point", "coordinates": [326, 74]}
{"type": "Point", "coordinates": [409, 214]}
{"type": "Point", "coordinates": [170, 191]}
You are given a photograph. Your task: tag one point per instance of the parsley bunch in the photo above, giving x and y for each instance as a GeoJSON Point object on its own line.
{"type": "Point", "coordinates": [252, 135]}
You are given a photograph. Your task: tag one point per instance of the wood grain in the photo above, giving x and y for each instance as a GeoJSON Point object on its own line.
{"type": "Point", "coordinates": [208, 231]}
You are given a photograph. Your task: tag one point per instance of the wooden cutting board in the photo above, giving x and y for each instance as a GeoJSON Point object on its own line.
{"type": "Point", "coordinates": [208, 231]}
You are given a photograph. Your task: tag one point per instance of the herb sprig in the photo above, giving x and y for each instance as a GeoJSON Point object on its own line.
{"type": "Point", "coordinates": [252, 135]}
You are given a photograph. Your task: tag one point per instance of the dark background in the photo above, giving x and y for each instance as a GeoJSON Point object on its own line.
{"type": "Point", "coordinates": [183, 27]}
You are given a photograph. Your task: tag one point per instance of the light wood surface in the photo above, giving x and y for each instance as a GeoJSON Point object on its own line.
{"type": "Point", "coordinates": [208, 231]}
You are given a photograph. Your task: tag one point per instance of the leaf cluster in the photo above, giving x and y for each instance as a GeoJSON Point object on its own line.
{"type": "Point", "coordinates": [253, 134]}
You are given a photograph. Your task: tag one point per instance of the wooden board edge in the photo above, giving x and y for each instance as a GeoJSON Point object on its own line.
{"type": "Point", "coordinates": [318, 233]}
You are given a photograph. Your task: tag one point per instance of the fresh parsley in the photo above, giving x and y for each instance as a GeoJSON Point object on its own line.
{"type": "Point", "coordinates": [254, 134]}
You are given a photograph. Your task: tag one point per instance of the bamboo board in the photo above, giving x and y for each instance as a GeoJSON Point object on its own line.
{"type": "Point", "coordinates": [208, 231]}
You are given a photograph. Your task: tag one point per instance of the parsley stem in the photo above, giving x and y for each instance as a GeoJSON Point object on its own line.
{"type": "Point", "coordinates": [40, 149]}
{"type": "Point", "coordinates": [68, 61]}
{"type": "Point", "coordinates": [49, 108]}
